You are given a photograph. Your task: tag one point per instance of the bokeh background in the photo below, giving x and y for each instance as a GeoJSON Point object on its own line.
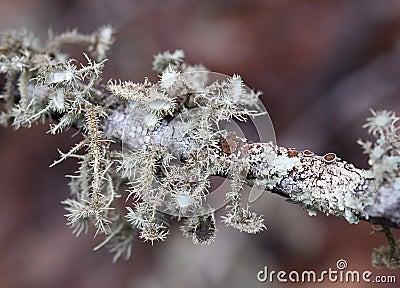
{"type": "Point", "coordinates": [321, 65]}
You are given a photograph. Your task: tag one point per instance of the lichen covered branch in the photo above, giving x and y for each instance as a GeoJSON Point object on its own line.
{"type": "Point", "coordinates": [173, 142]}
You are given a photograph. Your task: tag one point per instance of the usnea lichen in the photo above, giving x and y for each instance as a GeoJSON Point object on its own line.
{"type": "Point", "coordinates": [173, 144]}
{"type": "Point", "coordinates": [44, 83]}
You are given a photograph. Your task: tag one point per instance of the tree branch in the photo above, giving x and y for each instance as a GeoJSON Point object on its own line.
{"type": "Point", "coordinates": [317, 183]}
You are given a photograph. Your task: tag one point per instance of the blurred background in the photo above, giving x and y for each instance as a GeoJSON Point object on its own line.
{"type": "Point", "coordinates": [321, 65]}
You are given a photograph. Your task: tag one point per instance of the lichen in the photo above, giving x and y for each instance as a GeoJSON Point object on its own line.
{"type": "Point", "coordinates": [173, 141]}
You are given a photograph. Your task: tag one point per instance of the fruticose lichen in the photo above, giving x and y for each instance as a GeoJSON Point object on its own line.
{"type": "Point", "coordinates": [163, 166]}
{"type": "Point", "coordinates": [173, 142]}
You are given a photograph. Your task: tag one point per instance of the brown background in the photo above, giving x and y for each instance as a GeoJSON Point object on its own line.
{"type": "Point", "coordinates": [321, 66]}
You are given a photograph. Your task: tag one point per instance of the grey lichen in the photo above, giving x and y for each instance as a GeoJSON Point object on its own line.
{"type": "Point", "coordinates": [173, 143]}
{"type": "Point", "coordinates": [384, 158]}
{"type": "Point", "coordinates": [339, 189]}
{"type": "Point", "coordinates": [314, 182]}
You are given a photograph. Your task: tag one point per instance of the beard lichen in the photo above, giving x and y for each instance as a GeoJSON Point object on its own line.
{"type": "Point", "coordinates": [173, 144]}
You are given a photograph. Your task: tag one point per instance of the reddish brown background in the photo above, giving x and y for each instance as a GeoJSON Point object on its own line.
{"type": "Point", "coordinates": [321, 65]}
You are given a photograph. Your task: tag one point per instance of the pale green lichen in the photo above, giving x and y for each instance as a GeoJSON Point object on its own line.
{"type": "Point", "coordinates": [384, 152]}
{"type": "Point", "coordinates": [50, 84]}
{"type": "Point", "coordinates": [172, 144]}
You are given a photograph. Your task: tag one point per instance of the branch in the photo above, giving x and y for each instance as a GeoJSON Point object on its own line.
{"type": "Point", "coordinates": [317, 183]}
